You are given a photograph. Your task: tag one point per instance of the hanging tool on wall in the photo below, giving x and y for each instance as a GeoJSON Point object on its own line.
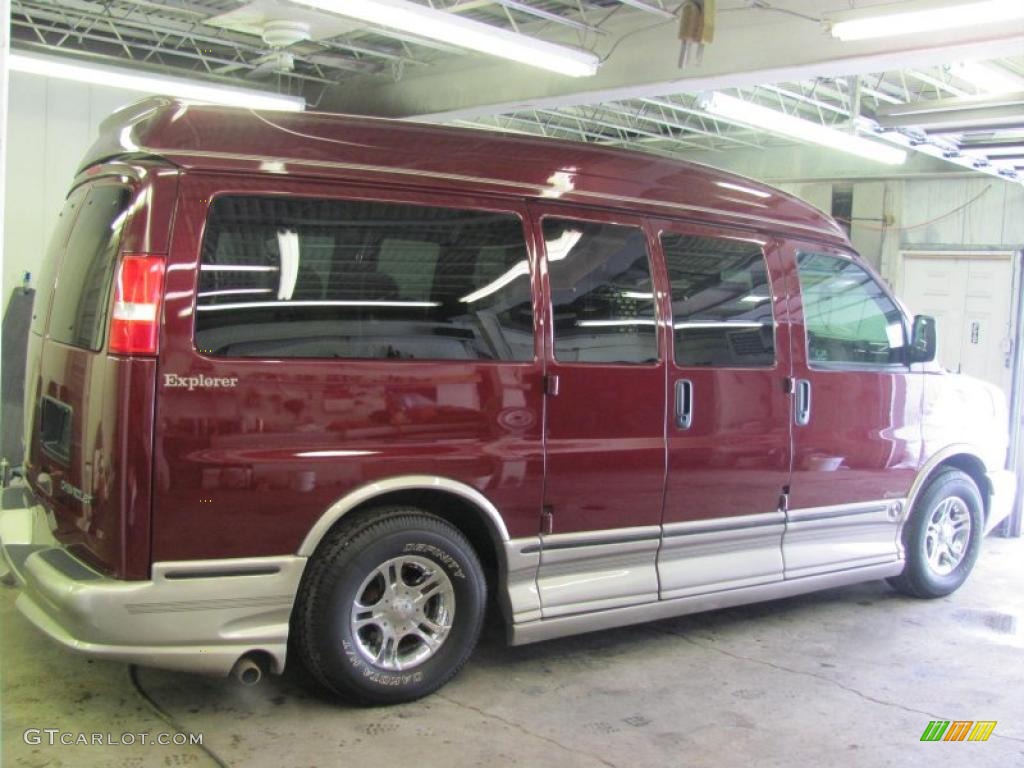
{"type": "Point", "coordinates": [696, 29]}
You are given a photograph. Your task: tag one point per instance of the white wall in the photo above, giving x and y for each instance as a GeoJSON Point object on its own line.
{"type": "Point", "coordinates": [976, 213]}
{"type": "Point", "coordinates": [991, 212]}
{"type": "Point", "coordinates": [50, 125]}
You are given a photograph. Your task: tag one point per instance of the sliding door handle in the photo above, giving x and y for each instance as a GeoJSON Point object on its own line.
{"type": "Point", "coordinates": [802, 415]}
{"type": "Point", "coordinates": [684, 403]}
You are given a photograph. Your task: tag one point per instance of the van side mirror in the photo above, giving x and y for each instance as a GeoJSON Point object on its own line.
{"type": "Point", "coordinates": [922, 340]}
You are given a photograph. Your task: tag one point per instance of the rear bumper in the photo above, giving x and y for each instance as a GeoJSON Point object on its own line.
{"type": "Point", "coordinates": [1004, 490]}
{"type": "Point", "coordinates": [196, 616]}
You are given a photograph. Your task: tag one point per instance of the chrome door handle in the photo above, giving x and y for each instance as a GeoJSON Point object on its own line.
{"type": "Point", "coordinates": [802, 415]}
{"type": "Point", "coordinates": [684, 403]}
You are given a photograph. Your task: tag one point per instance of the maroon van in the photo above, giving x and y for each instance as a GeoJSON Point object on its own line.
{"type": "Point", "coordinates": [331, 382]}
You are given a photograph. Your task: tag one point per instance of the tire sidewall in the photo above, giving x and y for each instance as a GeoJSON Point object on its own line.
{"type": "Point", "coordinates": [341, 659]}
{"type": "Point", "coordinates": [956, 486]}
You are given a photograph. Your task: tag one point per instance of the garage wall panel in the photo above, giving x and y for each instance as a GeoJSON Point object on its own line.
{"type": "Point", "coordinates": [989, 214]}
{"type": "Point", "coordinates": [1013, 216]}
{"type": "Point", "coordinates": [50, 123]}
{"type": "Point", "coordinates": [983, 219]}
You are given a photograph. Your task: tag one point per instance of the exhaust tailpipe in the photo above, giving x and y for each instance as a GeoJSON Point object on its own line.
{"type": "Point", "coordinates": [247, 671]}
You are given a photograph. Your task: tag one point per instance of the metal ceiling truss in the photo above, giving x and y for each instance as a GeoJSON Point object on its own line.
{"type": "Point", "coordinates": [189, 37]}
{"type": "Point", "coordinates": [182, 37]}
{"type": "Point", "coordinates": [909, 102]}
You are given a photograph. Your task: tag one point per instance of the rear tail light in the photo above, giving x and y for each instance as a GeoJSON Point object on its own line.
{"type": "Point", "coordinates": [138, 291]}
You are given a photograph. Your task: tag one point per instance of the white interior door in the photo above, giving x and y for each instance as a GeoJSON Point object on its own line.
{"type": "Point", "coordinates": [970, 298]}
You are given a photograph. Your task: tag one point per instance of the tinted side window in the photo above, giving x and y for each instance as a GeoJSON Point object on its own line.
{"type": "Point", "coordinates": [848, 317]}
{"type": "Point", "coordinates": [721, 302]}
{"type": "Point", "coordinates": [357, 279]}
{"type": "Point", "coordinates": [82, 296]}
{"type": "Point", "coordinates": [51, 262]}
{"type": "Point", "coordinates": [601, 293]}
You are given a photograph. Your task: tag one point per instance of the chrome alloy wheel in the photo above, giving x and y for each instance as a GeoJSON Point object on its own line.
{"type": "Point", "coordinates": [403, 612]}
{"type": "Point", "coordinates": [947, 535]}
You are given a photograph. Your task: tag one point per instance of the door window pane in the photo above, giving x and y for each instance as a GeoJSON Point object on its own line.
{"type": "Point", "coordinates": [601, 293]}
{"type": "Point", "coordinates": [81, 298]}
{"type": "Point", "coordinates": [849, 319]}
{"type": "Point", "coordinates": [721, 302]}
{"type": "Point", "coordinates": [358, 279]}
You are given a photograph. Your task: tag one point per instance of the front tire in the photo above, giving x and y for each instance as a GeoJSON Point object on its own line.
{"type": "Point", "coordinates": [390, 607]}
{"type": "Point", "coordinates": [942, 539]}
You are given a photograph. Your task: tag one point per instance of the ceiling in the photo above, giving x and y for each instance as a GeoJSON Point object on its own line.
{"type": "Point", "coordinates": [777, 55]}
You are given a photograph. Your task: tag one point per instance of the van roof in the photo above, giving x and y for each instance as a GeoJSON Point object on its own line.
{"type": "Point", "coordinates": [202, 137]}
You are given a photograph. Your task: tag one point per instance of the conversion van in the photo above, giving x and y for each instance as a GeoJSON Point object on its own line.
{"type": "Point", "coordinates": [318, 385]}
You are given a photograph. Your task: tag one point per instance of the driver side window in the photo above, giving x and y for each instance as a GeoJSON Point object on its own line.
{"type": "Point", "coordinates": [848, 318]}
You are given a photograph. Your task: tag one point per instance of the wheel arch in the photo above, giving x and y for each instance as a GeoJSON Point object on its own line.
{"type": "Point", "coordinates": [463, 506]}
{"type": "Point", "coordinates": [961, 457]}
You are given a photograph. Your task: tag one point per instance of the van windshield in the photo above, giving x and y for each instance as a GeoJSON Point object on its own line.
{"type": "Point", "coordinates": [81, 297]}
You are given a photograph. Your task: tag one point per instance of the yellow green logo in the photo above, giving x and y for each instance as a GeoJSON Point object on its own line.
{"type": "Point", "coordinates": [958, 730]}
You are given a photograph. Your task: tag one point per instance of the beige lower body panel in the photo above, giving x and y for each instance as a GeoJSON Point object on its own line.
{"type": "Point", "coordinates": [196, 616]}
{"type": "Point", "coordinates": [548, 629]}
{"type": "Point", "coordinates": [825, 539]}
{"type": "Point", "coordinates": [597, 570]}
{"type": "Point", "coordinates": [709, 556]}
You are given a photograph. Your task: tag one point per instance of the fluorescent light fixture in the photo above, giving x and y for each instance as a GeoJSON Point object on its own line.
{"type": "Point", "coordinates": [112, 77]}
{"type": "Point", "coordinates": [287, 304]}
{"type": "Point", "coordinates": [986, 77]}
{"type": "Point", "coordinates": [725, 324]}
{"type": "Point", "coordinates": [1017, 150]}
{"type": "Point", "coordinates": [804, 130]}
{"type": "Point", "coordinates": [433, 24]}
{"type": "Point", "coordinates": [614, 323]}
{"type": "Point", "coordinates": [225, 292]}
{"type": "Point", "coordinates": [335, 454]}
{"type": "Point", "coordinates": [562, 245]}
{"type": "Point", "coordinates": [288, 248]}
{"type": "Point", "coordinates": [236, 268]}
{"type": "Point", "coordinates": [951, 17]}
{"type": "Point", "coordinates": [519, 269]}
{"type": "Point", "coordinates": [968, 159]}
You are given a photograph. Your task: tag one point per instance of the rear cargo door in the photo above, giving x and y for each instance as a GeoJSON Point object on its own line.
{"type": "Point", "coordinates": [89, 413]}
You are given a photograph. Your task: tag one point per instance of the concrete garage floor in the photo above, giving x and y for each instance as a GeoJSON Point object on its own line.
{"type": "Point", "coordinates": [848, 677]}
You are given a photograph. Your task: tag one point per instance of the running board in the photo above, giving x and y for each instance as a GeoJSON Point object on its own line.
{"type": "Point", "coordinates": [561, 626]}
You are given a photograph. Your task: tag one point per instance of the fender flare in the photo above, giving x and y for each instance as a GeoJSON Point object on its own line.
{"type": "Point", "coordinates": [927, 470]}
{"type": "Point", "coordinates": [370, 491]}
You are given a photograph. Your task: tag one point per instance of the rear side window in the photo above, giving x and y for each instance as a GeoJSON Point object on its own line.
{"type": "Point", "coordinates": [848, 317]}
{"type": "Point", "coordinates": [721, 302]}
{"type": "Point", "coordinates": [51, 262]}
{"type": "Point", "coordinates": [82, 295]}
{"type": "Point", "coordinates": [602, 296]}
{"type": "Point", "coordinates": [359, 279]}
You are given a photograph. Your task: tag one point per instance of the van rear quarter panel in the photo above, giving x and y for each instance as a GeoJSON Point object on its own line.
{"type": "Point", "coordinates": [246, 471]}
{"type": "Point", "coordinates": [100, 493]}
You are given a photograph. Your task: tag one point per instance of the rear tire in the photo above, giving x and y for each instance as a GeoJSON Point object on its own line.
{"type": "Point", "coordinates": [390, 607]}
{"type": "Point", "coordinates": [942, 538]}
